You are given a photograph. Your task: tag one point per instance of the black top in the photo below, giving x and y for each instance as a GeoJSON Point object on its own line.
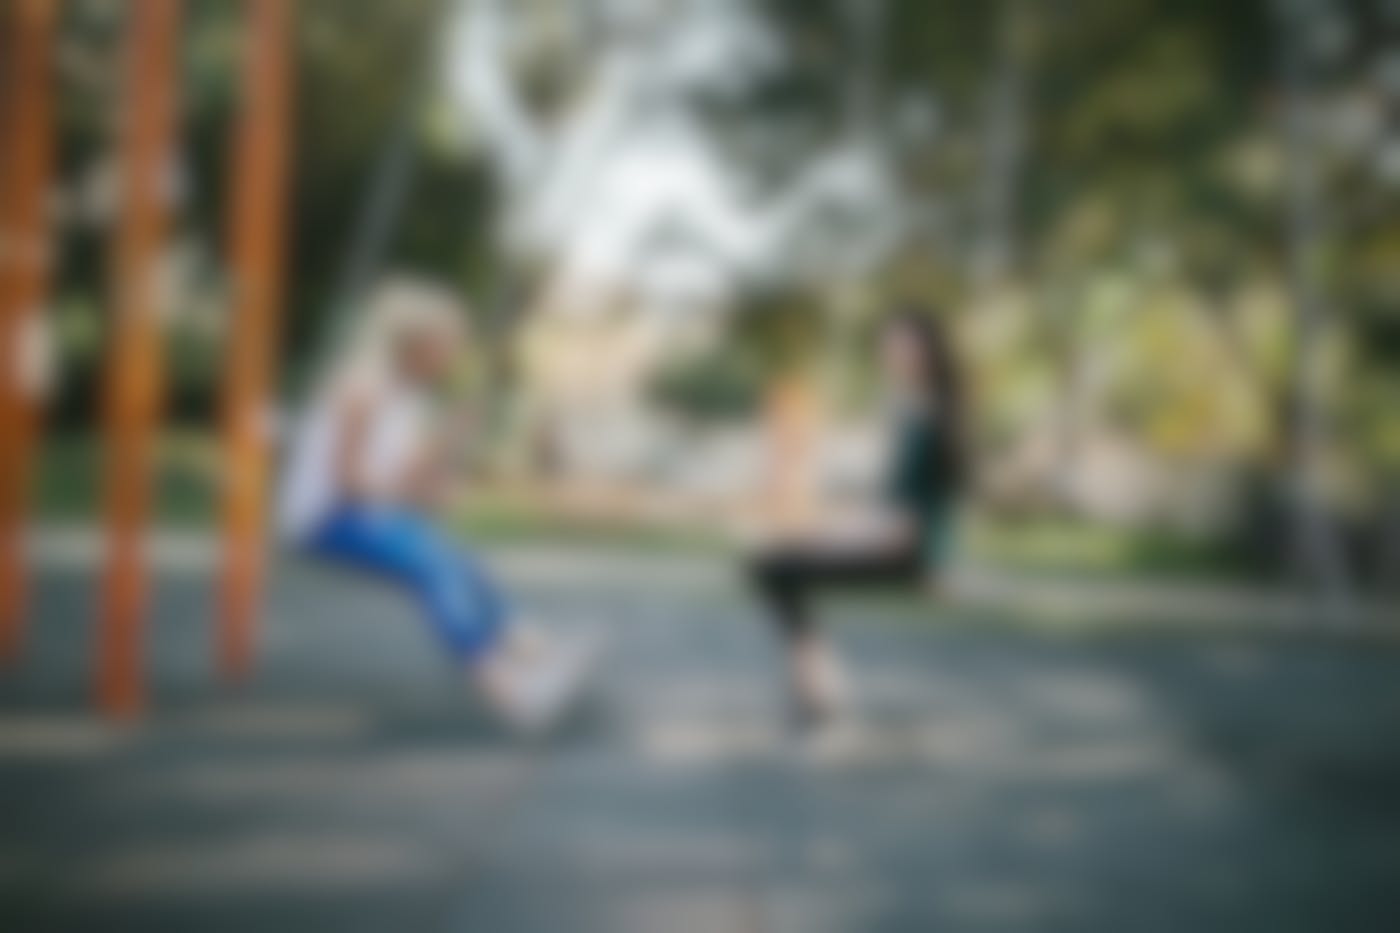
{"type": "Point", "coordinates": [923, 477]}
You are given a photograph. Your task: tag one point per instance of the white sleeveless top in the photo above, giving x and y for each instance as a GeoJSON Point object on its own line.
{"type": "Point", "coordinates": [310, 487]}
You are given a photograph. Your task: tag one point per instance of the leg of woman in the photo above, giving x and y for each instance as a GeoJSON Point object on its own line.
{"type": "Point", "coordinates": [405, 548]}
{"type": "Point", "coordinates": [463, 605]}
{"type": "Point", "coordinates": [781, 577]}
{"type": "Point", "coordinates": [461, 599]}
{"type": "Point", "coordinates": [786, 576]}
{"type": "Point", "coordinates": [785, 579]}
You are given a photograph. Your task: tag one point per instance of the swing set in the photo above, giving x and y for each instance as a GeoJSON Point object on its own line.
{"type": "Point", "coordinates": [132, 387]}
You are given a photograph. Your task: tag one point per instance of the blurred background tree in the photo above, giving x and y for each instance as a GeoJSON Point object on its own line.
{"type": "Point", "coordinates": [1100, 194]}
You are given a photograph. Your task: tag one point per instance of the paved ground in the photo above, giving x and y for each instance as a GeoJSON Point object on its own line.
{"type": "Point", "coordinates": [1004, 778]}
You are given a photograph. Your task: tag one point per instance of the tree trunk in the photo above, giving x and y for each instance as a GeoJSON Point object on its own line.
{"type": "Point", "coordinates": [1316, 548]}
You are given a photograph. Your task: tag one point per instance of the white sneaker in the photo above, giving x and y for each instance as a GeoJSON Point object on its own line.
{"type": "Point", "coordinates": [822, 688]}
{"type": "Point", "coordinates": [544, 687]}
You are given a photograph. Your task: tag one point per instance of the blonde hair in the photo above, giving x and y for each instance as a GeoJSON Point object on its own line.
{"type": "Point", "coordinates": [398, 310]}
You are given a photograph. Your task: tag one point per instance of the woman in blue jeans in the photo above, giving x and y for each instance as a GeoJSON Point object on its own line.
{"type": "Point", "coordinates": [368, 469]}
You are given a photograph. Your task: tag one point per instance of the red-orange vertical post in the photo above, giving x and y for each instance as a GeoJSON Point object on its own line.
{"type": "Point", "coordinates": [11, 542]}
{"type": "Point", "coordinates": [26, 134]}
{"type": "Point", "coordinates": [133, 387]}
{"type": "Point", "coordinates": [256, 259]}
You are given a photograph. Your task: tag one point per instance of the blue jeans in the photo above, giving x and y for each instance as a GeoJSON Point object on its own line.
{"type": "Point", "coordinates": [405, 548]}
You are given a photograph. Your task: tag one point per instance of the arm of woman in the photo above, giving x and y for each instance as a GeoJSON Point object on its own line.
{"type": "Point", "coordinates": [425, 479]}
{"type": "Point", "coordinates": [871, 528]}
{"type": "Point", "coordinates": [429, 480]}
{"type": "Point", "coordinates": [355, 414]}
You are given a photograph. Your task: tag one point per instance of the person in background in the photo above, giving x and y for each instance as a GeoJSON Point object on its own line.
{"type": "Point", "coordinates": [370, 467]}
{"type": "Point", "coordinates": [904, 540]}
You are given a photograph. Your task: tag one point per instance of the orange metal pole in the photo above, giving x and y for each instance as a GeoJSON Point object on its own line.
{"type": "Point", "coordinates": [26, 133]}
{"type": "Point", "coordinates": [11, 544]}
{"type": "Point", "coordinates": [133, 387]}
{"type": "Point", "coordinates": [256, 249]}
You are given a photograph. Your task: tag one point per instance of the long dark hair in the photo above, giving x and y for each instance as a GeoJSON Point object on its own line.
{"type": "Point", "coordinates": [942, 387]}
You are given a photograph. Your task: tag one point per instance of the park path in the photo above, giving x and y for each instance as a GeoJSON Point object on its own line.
{"type": "Point", "coordinates": [1004, 775]}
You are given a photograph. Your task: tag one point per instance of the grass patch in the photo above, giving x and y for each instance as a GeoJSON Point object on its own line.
{"type": "Point", "coordinates": [505, 520]}
{"type": "Point", "coordinates": [1060, 547]}
{"type": "Point", "coordinates": [68, 484]}
{"type": "Point", "coordinates": [68, 490]}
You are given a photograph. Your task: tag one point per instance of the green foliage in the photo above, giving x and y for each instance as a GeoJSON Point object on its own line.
{"type": "Point", "coordinates": [722, 384]}
{"type": "Point", "coordinates": [774, 334]}
{"type": "Point", "coordinates": [359, 64]}
{"type": "Point", "coordinates": [1149, 287]}
{"type": "Point", "coordinates": [356, 66]}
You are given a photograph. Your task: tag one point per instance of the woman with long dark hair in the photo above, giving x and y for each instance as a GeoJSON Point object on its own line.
{"type": "Point", "coordinates": [907, 542]}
